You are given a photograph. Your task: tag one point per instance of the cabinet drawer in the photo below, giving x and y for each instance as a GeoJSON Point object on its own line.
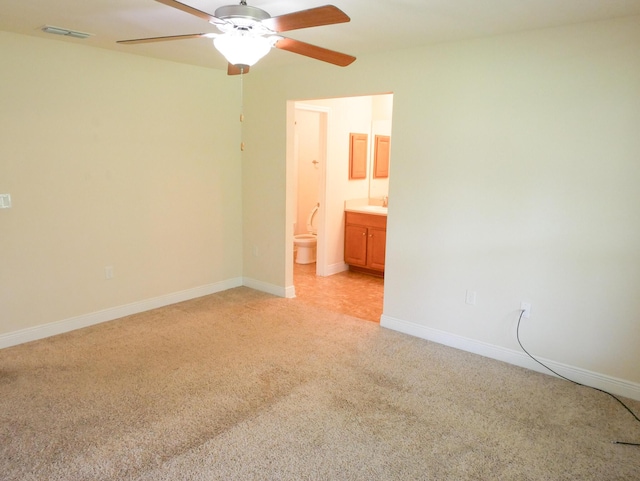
{"type": "Point", "coordinates": [368, 220]}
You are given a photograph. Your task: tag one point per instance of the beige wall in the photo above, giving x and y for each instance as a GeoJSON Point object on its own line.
{"type": "Point", "coordinates": [515, 175]}
{"type": "Point", "coordinates": [112, 160]}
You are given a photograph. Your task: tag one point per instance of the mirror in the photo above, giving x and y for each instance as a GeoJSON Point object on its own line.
{"type": "Point", "coordinates": [382, 107]}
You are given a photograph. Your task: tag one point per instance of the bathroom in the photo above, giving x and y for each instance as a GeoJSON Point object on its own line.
{"type": "Point", "coordinates": [318, 164]}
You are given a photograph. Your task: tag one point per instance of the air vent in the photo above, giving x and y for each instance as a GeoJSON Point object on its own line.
{"type": "Point", "coordinates": [66, 32]}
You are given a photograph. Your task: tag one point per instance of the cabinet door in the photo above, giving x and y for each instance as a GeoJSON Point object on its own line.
{"type": "Point", "coordinates": [381, 156]}
{"type": "Point", "coordinates": [358, 156]}
{"type": "Point", "coordinates": [376, 248]}
{"type": "Point", "coordinates": [355, 245]}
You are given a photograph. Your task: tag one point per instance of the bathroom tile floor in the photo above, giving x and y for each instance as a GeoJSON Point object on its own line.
{"type": "Point", "coordinates": [351, 293]}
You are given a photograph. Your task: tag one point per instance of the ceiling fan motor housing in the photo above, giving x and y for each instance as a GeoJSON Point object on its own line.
{"type": "Point", "coordinates": [241, 11]}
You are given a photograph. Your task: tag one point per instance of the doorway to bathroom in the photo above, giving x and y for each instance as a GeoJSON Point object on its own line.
{"type": "Point", "coordinates": [310, 160]}
{"type": "Point", "coordinates": [318, 133]}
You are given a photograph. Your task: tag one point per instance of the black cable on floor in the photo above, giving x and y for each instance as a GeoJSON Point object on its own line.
{"type": "Point", "coordinates": [575, 382]}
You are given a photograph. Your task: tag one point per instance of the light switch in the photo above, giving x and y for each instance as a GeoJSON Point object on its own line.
{"type": "Point", "coordinates": [5, 201]}
{"type": "Point", "coordinates": [470, 298]}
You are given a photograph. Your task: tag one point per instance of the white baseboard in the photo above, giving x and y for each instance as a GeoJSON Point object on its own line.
{"type": "Point", "coordinates": [335, 268]}
{"type": "Point", "coordinates": [268, 288]}
{"type": "Point", "coordinates": [610, 384]}
{"type": "Point", "coordinates": [290, 292]}
{"type": "Point", "coordinates": [85, 320]}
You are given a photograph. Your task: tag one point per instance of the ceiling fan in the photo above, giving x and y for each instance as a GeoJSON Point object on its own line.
{"type": "Point", "coordinates": [248, 33]}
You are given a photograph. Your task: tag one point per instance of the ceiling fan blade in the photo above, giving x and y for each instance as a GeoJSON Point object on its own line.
{"type": "Point", "coordinates": [319, 53]}
{"type": "Point", "coordinates": [235, 70]}
{"type": "Point", "coordinates": [313, 17]}
{"type": "Point", "coordinates": [192, 11]}
{"type": "Point", "coordinates": [162, 39]}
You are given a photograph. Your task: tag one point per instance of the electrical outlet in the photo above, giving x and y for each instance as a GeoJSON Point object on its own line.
{"type": "Point", "coordinates": [108, 272]}
{"type": "Point", "coordinates": [526, 308]}
{"type": "Point", "coordinates": [5, 201]}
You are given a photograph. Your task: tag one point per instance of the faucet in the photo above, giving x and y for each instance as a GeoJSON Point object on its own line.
{"type": "Point", "coordinates": [385, 201]}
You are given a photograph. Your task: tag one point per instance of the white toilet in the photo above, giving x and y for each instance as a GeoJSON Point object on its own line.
{"type": "Point", "coordinates": [305, 244]}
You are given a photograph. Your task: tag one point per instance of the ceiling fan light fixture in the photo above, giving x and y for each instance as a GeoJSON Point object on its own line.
{"type": "Point", "coordinates": [242, 49]}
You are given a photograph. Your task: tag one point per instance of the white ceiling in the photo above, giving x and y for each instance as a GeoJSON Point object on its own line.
{"type": "Point", "coordinates": [375, 24]}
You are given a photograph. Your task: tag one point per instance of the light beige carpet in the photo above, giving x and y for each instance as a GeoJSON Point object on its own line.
{"type": "Point", "coordinates": [241, 385]}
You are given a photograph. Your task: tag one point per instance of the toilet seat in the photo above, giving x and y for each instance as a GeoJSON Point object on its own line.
{"type": "Point", "coordinates": [312, 214]}
{"type": "Point", "coordinates": [305, 239]}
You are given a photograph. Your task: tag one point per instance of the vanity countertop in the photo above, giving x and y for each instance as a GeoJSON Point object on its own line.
{"type": "Point", "coordinates": [368, 209]}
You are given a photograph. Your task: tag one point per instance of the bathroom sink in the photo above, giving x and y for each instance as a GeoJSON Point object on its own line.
{"type": "Point", "coordinates": [370, 209]}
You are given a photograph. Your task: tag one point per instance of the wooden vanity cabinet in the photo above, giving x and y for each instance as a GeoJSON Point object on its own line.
{"type": "Point", "coordinates": [365, 242]}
